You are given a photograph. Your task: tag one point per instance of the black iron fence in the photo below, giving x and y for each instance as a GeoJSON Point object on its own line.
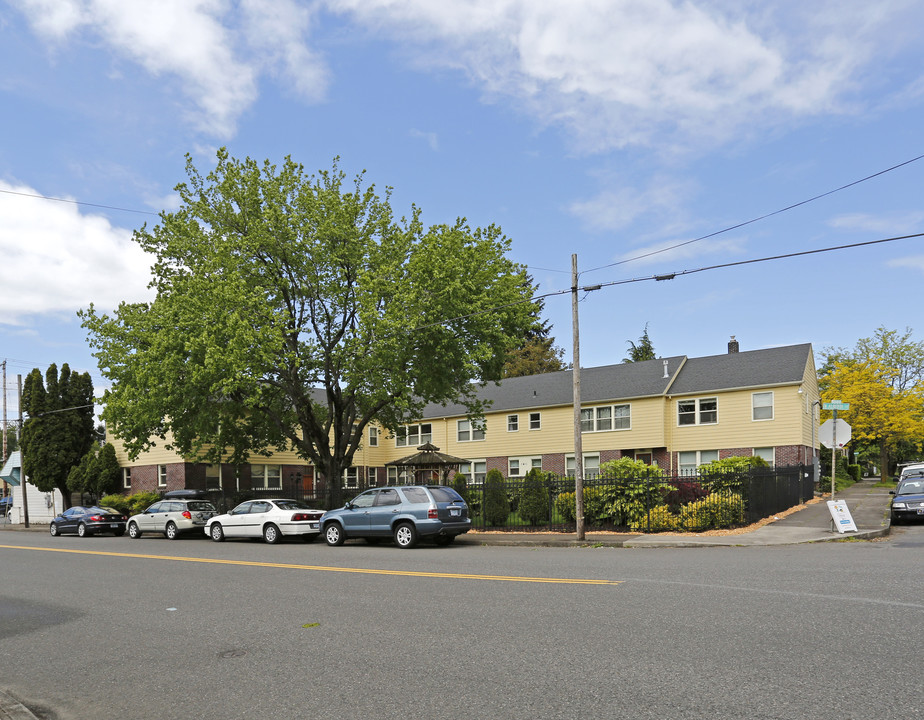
{"type": "Point", "coordinates": [651, 503]}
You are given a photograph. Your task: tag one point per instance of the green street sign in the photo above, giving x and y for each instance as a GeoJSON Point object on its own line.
{"type": "Point", "coordinates": [836, 405]}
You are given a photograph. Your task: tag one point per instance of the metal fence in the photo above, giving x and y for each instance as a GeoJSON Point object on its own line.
{"type": "Point", "coordinates": [653, 503]}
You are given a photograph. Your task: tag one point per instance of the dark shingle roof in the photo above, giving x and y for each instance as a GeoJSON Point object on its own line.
{"type": "Point", "coordinates": [625, 381]}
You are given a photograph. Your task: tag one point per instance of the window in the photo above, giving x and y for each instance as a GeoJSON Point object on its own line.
{"type": "Point", "coordinates": [372, 478]}
{"type": "Point", "coordinates": [397, 476]}
{"type": "Point", "coordinates": [468, 432]}
{"type": "Point", "coordinates": [126, 478]}
{"type": "Point", "coordinates": [535, 421]}
{"type": "Point", "coordinates": [591, 465]}
{"type": "Point", "coordinates": [766, 453]}
{"type": "Point", "coordinates": [762, 406]}
{"type": "Point", "coordinates": [161, 476]}
{"type": "Point", "coordinates": [266, 476]}
{"type": "Point", "coordinates": [701, 411]}
{"type": "Point", "coordinates": [692, 459]}
{"type": "Point", "coordinates": [474, 471]}
{"type": "Point", "coordinates": [351, 478]}
{"type": "Point", "coordinates": [513, 423]}
{"type": "Point", "coordinates": [414, 435]}
{"type": "Point", "coordinates": [608, 417]}
{"type": "Point", "coordinates": [387, 497]}
{"type": "Point", "coordinates": [373, 436]}
{"type": "Point", "coordinates": [212, 477]}
{"type": "Point", "coordinates": [519, 466]}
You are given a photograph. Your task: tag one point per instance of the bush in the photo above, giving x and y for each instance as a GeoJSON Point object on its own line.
{"type": "Point", "coordinates": [117, 502]}
{"type": "Point", "coordinates": [596, 506]}
{"type": "Point", "coordinates": [461, 487]}
{"type": "Point", "coordinates": [534, 499]}
{"type": "Point", "coordinates": [496, 507]}
{"type": "Point", "coordinates": [139, 502]}
{"type": "Point", "coordinates": [713, 511]}
{"type": "Point", "coordinates": [682, 492]}
{"type": "Point", "coordinates": [660, 519]}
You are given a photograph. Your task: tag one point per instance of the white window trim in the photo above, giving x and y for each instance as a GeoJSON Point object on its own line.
{"type": "Point", "coordinates": [516, 423]}
{"type": "Point", "coordinates": [587, 456]}
{"type": "Point", "coordinates": [265, 476]}
{"type": "Point", "coordinates": [772, 405]}
{"type": "Point", "coordinates": [161, 476]}
{"type": "Point", "coordinates": [127, 478]}
{"type": "Point", "coordinates": [373, 436]}
{"type": "Point", "coordinates": [538, 420]}
{"type": "Point", "coordinates": [348, 473]}
{"type": "Point", "coordinates": [470, 475]}
{"type": "Point", "coordinates": [699, 460]}
{"type": "Point", "coordinates": [772, 460]}
{"type": "Point", "coordinates": [420, 435]}
{"type": "Point", "coordinates": [594, 408]}
{"type": "Point", "coordinates": [470, 430]}
{"type": "Point", "coordinates": [697, 413]}
{"type": "Point", "coordinates": [525, 463]}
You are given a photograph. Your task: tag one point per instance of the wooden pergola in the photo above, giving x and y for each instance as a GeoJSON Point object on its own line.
{"type": "Point", "coordinates": [428, 463]}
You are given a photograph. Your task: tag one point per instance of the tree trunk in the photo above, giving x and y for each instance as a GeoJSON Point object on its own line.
{"type": "Point", "coordinates": [883, 460]}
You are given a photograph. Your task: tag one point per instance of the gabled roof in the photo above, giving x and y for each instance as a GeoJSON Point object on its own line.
{"type": "Point", "coordinates": [627, 381]}
{"type": "Point", "coordinates": [753, 368]}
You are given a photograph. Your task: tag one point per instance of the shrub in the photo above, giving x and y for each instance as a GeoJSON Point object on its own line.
{"type": "Point", "coordinates": [534, 500]}
{"type": "Point", "coordinates": [461, 486]}
{"type": "Point", "coordinates": [116, 502]}
{"type": "Point", "coordinates": [682, 492]}
{"type": "Point", "coordinates": [659, 519]}
{"type": "Point", "coordinates": [496, 507]}
{"type": "Point", "coordinates": [596, 506]}
{"type": "Point", "coordinates": [626, 467]}
{"type": "Point", "coordinates": [139, 502]}
{"type": "Point", "coordinates": [713, 511]}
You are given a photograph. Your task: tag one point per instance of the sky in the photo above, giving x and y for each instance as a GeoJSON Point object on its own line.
{"type": "Point", "coordinates": [630, 133]}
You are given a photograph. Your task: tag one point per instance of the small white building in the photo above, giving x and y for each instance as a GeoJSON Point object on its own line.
{"type": "Point", "coordinates": [43, 506]}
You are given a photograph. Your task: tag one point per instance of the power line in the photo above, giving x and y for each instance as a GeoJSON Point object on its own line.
{"type": "Point", "coordinates": [78, 202]}
{"type": "Point", "coordinates": [757, 219]}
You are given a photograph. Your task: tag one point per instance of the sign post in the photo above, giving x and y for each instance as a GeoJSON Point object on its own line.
{"type": "Point", "coordinates": [834, 406]}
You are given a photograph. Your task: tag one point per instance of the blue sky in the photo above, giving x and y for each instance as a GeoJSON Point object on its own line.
{"type": "Point", "coordinates": [606, 128]}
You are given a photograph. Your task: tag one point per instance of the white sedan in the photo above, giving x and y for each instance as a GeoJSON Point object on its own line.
{"type": "Point", "coordinates": [270, 519]}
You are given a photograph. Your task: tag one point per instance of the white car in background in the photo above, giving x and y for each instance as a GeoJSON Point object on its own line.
{"type": "Point", "coordinates": [271, 519]}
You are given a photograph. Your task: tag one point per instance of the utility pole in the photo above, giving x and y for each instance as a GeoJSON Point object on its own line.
{"type": "Point", "coordinates": [576, 399]}
{"type": "Point", "coordinates": [22, 469]}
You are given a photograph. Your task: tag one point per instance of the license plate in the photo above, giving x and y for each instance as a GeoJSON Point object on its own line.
{"type": "Point", "coordinates": [313, 526]}
{"type": "Point", "coordinates": [920, 511]}
{"type": "Point", "coordinates": [115, 525]}
{"type": "Point", "coordinates": [454, 512]}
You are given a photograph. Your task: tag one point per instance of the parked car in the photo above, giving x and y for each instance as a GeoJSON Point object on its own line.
{"type": "Point", "coordinates": [407, 514]}
{"type": "Point", "coordinates": [172, 517]}
{"type": "Point", "coordinates": [271, 519]}
{"type": "Point", "coordinates": [907, 500]}
{"type": "Point", "coordinates": [6, 504]}
{"type": "Point", "coordinates": [88, 521]}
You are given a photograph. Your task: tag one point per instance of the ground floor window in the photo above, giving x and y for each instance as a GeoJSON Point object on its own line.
{"type": "Point", "coordinates": [161, 476]}
{"type": "Point", "coordinates": [474, 471]}
{"type": "Point", "coordinates": [127, 478]}
{"type": "Point", "coordinates": [213, 477]}
{"type": "Point", "coordinates": [766, 453]}
{"type": "Point", "coordinates": [519, 466]}
{"type": "Point", "coordinates": [266, 476]}
{"type": "Point", "coordinates": [591, 464]}
{"type": "Point", "coordinates": [351, 478]}
{"type": "Point", "coordinates": [397, 476]}
{"type": "Point", "coordinates": [692, 459]}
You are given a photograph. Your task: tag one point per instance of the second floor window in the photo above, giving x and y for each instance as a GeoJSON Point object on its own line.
{"type": "Point", "coordinates": [513, 423]}
{"type": "Point", "coordinates": [762, 406]}
{"type": "Point", "coordinates": [373, 436]}
{"type": "Point", "coordinates": [535, 421]}
{"type": "Point", "coordinates": [468, 431]}
{"type": "Point", "coordinates": [414, 435]}
{"type": "Point", "coordinates": [608, 417]}
{"type": "Point", "coordinates": [700, 411]}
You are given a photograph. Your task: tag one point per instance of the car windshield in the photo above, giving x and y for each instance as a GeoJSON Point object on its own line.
{"type": "Point", "coordinates": [913, 487]}
{"type": "Point", "coordinates": [292, 505]}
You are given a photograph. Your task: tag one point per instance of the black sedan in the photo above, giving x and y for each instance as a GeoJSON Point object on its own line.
{"type": "Point", "coordinates": [88, 521]}
{"type": "Point", "coordinates": [908, 500]}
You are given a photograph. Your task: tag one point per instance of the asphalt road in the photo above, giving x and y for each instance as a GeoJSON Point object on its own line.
{"type": "Point", "coordinates": [157, 629]}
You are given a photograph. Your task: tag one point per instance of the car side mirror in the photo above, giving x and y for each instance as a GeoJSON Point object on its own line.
{"type": "Point", "coordinates": [348, 505]}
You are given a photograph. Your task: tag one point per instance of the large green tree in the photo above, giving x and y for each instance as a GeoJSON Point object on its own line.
{"type": "Point", "coordinates": [292, 310]}
{"type": "Point", "coordinates": [59, 429]}
{"type": "Point", "coordinates": [643, 350]}
{"type": "Point", "coordinates": [536, 353]}
{"type": "Point", "coordinates": [883, 380]}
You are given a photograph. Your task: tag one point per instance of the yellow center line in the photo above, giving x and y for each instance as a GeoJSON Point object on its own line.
{"type": "Point", "coordinates": [324, 568]}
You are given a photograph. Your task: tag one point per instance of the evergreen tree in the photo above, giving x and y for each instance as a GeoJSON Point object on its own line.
{"type": "Point", "coordinates": [537, 353]}
{"type": "Point", "coordinates": [644, 350]}
{"type": "Point", "coordinates": [496, 505]}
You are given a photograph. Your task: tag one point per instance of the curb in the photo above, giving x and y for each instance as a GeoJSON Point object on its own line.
{"type": "Point", "coordinates": [12, 709]}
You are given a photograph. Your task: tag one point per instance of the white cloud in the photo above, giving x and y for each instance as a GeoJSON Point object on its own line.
{"type": "Point", "coordinates": [898, 224]}
{"type": "Point", "coordinates": [431, 138]}
{"type": "Point", "coordinates": [618, 207]}
{"type": "Point", "coordinates": [648, 72]}
{"type": "Point", "coordinates": [671, 251]}
{"type": "Point", "coordinates": [913, 262]}
{"type": "Point", "coordinates": [57, 260]}
{"type": "Point", "coordinates": [203, 43]}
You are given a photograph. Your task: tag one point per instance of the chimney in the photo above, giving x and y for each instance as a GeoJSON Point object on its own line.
{"type": "Point", "coordinates": [732, 345]}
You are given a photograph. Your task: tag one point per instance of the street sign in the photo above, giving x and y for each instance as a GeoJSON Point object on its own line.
{"type": "Point", "coordinates": [827, 431]}
{"type": "Point", "coordinates": [835, 405]}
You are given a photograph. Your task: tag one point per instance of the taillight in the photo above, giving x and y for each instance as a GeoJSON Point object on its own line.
{"type": "Point", "coordinates": [187, 514]}
{"type": "Point", "coordinates": [301, 516]}
{"type": "Point", "coordinates": [432, 514]}
{"type": "Point", "coordinates": [95, 518]}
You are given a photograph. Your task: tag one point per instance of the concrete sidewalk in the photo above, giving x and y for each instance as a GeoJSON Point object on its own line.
{"type": "Point", "coordinates": [868, 505]}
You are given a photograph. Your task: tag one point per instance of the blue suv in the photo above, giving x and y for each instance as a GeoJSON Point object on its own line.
{"type": "Point", "coordinates": [407, 514]}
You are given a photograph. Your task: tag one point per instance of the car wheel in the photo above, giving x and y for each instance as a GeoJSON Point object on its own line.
{"type": "Point", "coordinates": [133, 531]}
{"type": "Point", "coordinates": [171, 531]}
{"type": "Point", "coordinates": [82, 530]}
{"type": "Point", "coordinates": [405, 535]}
{"type": "Point", "coordinates": [333, 533]}
{"type": "Point", "coordinates": [271, 534]}
{"type": "Point", "coordinates": [216, 532]}
{"type": "Point", "coordinates": [444, 539]}
{"type": "Point", "coordinates": [53, 529]}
